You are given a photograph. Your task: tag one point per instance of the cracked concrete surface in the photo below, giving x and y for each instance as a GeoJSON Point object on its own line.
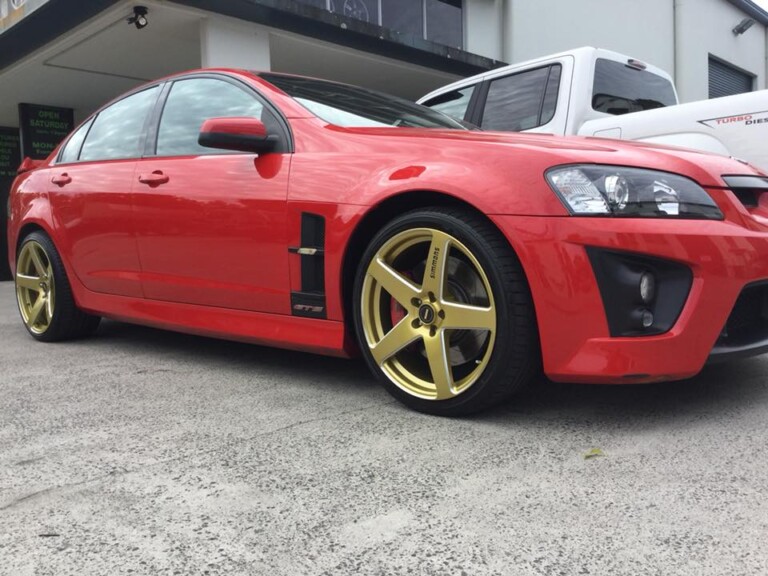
{"type": "Point", "coordinates": [147, 452]}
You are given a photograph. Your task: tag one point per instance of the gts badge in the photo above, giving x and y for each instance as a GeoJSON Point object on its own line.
{"type": "Point", "coordinates": [306, 308]}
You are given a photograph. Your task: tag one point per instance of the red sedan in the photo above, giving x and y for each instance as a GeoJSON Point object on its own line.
{"type": "Point", "coordinates": [322, 217]}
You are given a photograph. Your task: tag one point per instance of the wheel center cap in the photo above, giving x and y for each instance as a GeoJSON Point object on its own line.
{"type": "Point", "coordinates": [426, 314]}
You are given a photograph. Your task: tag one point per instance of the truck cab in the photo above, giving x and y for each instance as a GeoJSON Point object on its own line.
{"type": "Point", "coordinates": [594, 92]}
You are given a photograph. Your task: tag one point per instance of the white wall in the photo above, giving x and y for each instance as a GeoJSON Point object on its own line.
{"type": "Point", "coordinates": [675, 35]}
{"type": "Point", "coordinates": [705, 27]}
{"type": "Point", "coordinates": [642, 29]}
{"type": "Point", "coordinates": [231, 43]}
{"type": "Point", "coordinates": [484, 28]}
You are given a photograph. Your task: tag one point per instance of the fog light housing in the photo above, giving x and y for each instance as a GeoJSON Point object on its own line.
{"type": "Point", "coordinates": [642, 295]}
{"type": "Point", "coordinates": [647, 318]}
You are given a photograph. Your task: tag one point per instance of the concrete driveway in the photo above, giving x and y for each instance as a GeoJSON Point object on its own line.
{"type": "Point", "coordinates": [146, 452]}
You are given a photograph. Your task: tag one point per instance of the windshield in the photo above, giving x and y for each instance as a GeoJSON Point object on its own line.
{"type": "Point", "coordinates": [352, 107]}
{"type": "Point", "coordinates": [621, 89]}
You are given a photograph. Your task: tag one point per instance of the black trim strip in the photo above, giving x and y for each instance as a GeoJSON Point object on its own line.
{"type": "Point", "coordinates": [318, 23]}
{"type": "Point", "coordinates": [752, 182]}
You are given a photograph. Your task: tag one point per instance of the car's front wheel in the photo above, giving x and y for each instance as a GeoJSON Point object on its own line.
{"type": "Point", "coordinates": [443, 312]}
{"type": "Point", "coordinates": [44, 295]}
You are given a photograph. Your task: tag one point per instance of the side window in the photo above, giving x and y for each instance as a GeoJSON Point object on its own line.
{"type": "Point", "coordinates": [453, 103]}
{"type": "Point", "coordinates": [71, 151]}
{"type": "Point", "coordinates": [117, 131]}
{"type": "Point", "coordinates": [550, 96]}
{"type": "Point", "coordinates": [515, 102]}
{"type": "Point", "coordinates": [191, 102]}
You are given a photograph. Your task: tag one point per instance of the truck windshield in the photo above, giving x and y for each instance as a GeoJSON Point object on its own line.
{"type": "Point", "coordinates": [354, 107]}
{"type": "Point", "coordinates": [621, 89]}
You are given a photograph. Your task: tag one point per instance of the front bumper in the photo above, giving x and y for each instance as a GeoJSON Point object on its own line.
{"type": "Point", "coordinates": [723, 256]}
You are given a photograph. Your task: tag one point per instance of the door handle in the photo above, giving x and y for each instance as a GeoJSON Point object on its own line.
{"type": "Point", "coordinates": [155, 179]}
{"type": "Point", "coordinates": [61, 179]}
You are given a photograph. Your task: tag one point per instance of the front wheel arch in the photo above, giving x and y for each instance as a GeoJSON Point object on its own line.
{"type": "Point", "coordinates": [372, 222]}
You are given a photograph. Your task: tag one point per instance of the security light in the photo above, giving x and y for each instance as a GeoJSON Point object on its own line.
{"type": "Point", "coordinates": [139, 18]}
{"type": "Point", "coordinates": [743, 26]}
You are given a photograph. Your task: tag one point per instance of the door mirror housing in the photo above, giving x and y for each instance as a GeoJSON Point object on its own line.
{"type": "Point", "coordinates": [240, 134]}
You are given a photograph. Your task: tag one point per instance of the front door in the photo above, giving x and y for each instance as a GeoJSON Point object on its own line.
{"type": "Point", "coordinates": [211, 225]}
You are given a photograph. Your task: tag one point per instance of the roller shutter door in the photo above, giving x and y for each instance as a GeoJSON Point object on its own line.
{"type": "Point", "coordinates": [725, 80]}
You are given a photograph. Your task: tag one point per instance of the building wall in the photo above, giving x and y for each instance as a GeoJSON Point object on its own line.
{"type": "Point", "coordinates": [705, 27]}
{"type": "Point", "coordinates": [483, 27]}
{"type": "Point", "coordinates": [675, 35]}
{"type": "Point", "coordinates": [642, 29]}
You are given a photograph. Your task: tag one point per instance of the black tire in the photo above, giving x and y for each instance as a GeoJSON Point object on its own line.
{"type": "Point", "coordinates": [66, 321]}
{"type": "Point", "coordinates": [512, 358]}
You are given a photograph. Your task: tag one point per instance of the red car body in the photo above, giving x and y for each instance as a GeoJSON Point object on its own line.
{"type": "Point", "coordinates": [155, 240]}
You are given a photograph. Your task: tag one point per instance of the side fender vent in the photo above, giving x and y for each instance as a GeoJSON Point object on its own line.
{"type": "Point", "coordinates": [310, 301]}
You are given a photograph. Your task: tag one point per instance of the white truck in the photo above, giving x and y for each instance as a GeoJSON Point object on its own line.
{"type": "Point", "coordinates": [594, 92]}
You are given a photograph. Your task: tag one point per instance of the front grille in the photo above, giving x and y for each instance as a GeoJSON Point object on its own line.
{"type": "Point", "coordinates": [747, 189]}
{"type": "Point", "coordinates": [748, 322]}
{"type": "Point", "coordinates": [746, 196]}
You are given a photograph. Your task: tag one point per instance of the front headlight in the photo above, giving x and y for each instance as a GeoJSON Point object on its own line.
{"type": "Point", "coordinates": [594, 190]}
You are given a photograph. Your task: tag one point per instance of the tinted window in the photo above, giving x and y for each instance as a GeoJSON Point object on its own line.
{"type": "Point", "coordinates": [351, 106]}
{"type": "Point", "coordinates": [444, 22]}
{"type": "Point", "coordinates": [620, 89]}
{"type": "Point", "coordinates": [365, 10]}
{"type": "Point", "coordinates": [117, 131]}
{"type": "Point", "coordinates": [403, 16]}
{"type": "Point", "coordinates": [514, 103]}
{"type": "Point", "coordinates": [453, 103]}
{"type": "Point", "coordinates": [71, 150]}
{"type": "Point", "coordinates": [192, 102]}
{"type": "Point", "coordinates": [550, 95]}
{"type": "Point", "coordinates": [316, 3]}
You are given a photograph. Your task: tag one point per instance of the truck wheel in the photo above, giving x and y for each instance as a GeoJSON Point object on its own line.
{"type": "Point", "coordinates": [443, 312]}
{"type": "Point", "coordinates": [44, 295]}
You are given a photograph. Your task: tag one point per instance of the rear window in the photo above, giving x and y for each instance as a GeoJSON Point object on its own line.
{"type": "Point", "coordinates": [621, 89]}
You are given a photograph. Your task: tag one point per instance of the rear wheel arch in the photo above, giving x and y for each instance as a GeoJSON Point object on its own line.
{"type": "Point", "coordinates": [26, 230]}
{"type": "Point", "coordinates": [44, 293]}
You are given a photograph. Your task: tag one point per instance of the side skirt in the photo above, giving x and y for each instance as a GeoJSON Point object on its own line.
{"type": "Point", "coordinates": [291, 332]}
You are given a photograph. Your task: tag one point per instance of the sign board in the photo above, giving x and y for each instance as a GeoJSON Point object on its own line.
{"type": "Point", "coordinates": [13, 11]}
{"type": "Point", "coordinates": [10, 154]}
{"type": "Point", "coordinates": [10, 158]}
{"type": "Point", "coordinates": [42, 128]}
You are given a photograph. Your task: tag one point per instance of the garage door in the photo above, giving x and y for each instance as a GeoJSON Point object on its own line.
{"type": "Point", "coordinates": [725, 80]}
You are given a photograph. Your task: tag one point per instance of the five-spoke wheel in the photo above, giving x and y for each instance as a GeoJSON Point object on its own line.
{"type": "Point", "coordinates": [44, 294]}
{"type": "Point", "coordinates": [35, 287]}
{"type": "Point", "coordinates": [435, 312]}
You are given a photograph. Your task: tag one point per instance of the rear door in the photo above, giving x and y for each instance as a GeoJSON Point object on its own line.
{"type": "Point", "coordinates": [211, 224]}
{"type": "Point", "coordinates": [90, 194]}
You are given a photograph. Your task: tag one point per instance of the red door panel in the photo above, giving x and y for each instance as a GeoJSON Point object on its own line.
{"type": "Point", "coordinates": [91, 205]}
{"type": "Point", "coordinates": [212, 230]}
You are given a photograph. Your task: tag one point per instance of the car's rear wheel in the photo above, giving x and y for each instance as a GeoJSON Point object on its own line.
{"type": "Point", "coordinates": [44, 294]}
{"type": "Point", "coordinates": [443, 312]}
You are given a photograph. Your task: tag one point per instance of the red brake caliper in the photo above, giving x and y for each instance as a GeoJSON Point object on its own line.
{"type": "Point", "coordinates": [397, 312]}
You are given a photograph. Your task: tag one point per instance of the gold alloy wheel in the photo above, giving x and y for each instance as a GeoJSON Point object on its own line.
{"type": "Point", "coordinates": [428, 313]}
{"type": "Point", "coordinates": [35, 287]}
